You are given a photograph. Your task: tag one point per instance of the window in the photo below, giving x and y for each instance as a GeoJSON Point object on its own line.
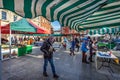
{"type": "Point", "coordinates": [4, 15]}
{"type": "Point", "coordinates": [15, 17]}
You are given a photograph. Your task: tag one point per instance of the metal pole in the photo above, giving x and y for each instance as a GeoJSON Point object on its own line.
{"type": "Point", "coordinates": [10, 42]}
{"type": "Point", "coordinates": [0, 54]}
{"type": "Point", "coordinates": [110, 40]}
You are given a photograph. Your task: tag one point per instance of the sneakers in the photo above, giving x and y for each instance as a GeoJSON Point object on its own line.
{"type": "Point", "coordinates": [45, 74]}
{"type": "Point", "coordinates": [86, 62]}
{"type": "Point", "coordinates": [91, 61]}
{"type": "Point", "coordinates": [55, 76]}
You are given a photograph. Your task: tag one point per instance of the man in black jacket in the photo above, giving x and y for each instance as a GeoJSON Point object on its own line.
{"type": "Point", "coordinates": [77, 43]}
{"type": "Point", "coordinates": [48, 50]}
{"type": "Point", "coordinates": [90, 48]}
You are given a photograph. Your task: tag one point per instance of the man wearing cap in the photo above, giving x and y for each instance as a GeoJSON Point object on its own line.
{"type": "Point", "coordinates": [48, 50]}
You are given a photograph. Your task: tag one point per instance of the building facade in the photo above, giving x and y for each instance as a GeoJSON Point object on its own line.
{"type": "Point", "coordinates": [43, 23]}
{"type": "Point", "coordinates": [8, 16]}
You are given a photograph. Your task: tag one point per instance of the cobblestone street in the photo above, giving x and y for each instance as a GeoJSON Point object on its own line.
{"type": "Point", "coordinates": [30, 67]}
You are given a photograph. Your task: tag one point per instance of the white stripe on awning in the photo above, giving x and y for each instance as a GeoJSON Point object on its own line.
{"type": "Point", "coordinates": [63, 6]}
{"type": "Point", "coordinates": [1, 5]}
{"type": "Point", "coordinates": [32, 8]}
{"type": "Point", "coordinates": [103, 23]}
{"type": "Point", "coordinates": [82, 11]}
{"type": "Point", "coordinates": [110, 5]}
{"type": "Point", "coordinates": [106, 11]}
{"type": "Point", "coordinates": [48, 8]}
{"type": "Point", "coordinates": [39, 6]}
{"type": "Point", "coordinates": [19, 7]}
{"type": "Point", "coordinates": [91, 7]}
{"type": "Point", "coordinates": [78, 20]}
{"type": "Point", "coordinates": [102, 19]}
{"type": "Point", "coordinates": [103, 16]}
{"type": "Point", "coordinates": [75, 8]}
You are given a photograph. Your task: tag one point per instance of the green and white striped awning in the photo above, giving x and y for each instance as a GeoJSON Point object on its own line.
{"type": "Point", "coordinates": [105, 30]}
{"type": "Point", "coordinates": [67, 12]}
{"type": "Point", "coordinates": [108, 15]}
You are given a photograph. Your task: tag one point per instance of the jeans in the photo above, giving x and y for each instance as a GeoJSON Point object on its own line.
{"type": "Point", "coordinates": [51, 63]}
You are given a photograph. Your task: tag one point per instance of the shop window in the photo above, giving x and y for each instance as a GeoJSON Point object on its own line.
{"type": "Point", "coordinates": [4, 15]}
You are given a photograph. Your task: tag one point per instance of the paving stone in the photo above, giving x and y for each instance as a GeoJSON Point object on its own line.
{"type": "Point", "coordinates": [30, 67]}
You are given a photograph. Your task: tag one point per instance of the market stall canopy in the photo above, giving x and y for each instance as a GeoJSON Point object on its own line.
{"type": "Point", "coordinates": [107, 16]}
{"type": "Point", "coordinates": [22, 26]}
{"type": "Point", "coordinates": [104, 30]}
{"type": "Point", "coordinates": [5, 29]}
{"type": "Point", "coordinates": [67, 12]}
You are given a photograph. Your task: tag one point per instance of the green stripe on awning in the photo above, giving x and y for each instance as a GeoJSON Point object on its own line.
{"type": "Point", "coordinates": [55, 7]}
{"type": "Point", "coordinates": [81, 18]}
{"type": "Point", "coordinates": [81, 12]}
{"type": "Point", "coordinates": [35, 7]}
{"type": "Point", "coordinates": [27, 8]}
{"type": "Point", "coordinates": [106, 16]}
{"type": "Point", "coordinates": [9, 5]}
{"type": "Point", "coordinates": [72, 6]}
{"type": "Point", "coordinates": [102, 17]}
{"type": "Point", "coordinates": [44, 7]}
{"type": "Point", "coordinates": [102, 20]}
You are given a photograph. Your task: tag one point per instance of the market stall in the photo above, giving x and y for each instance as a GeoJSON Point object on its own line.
{"type": "Point", "coordinates": [9, 49]}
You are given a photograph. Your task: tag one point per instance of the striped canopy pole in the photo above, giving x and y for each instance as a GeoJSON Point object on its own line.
{"type": "Point", "coordinates": [101, 32]}
{"type": "Point", "coordinates": [0, 54]}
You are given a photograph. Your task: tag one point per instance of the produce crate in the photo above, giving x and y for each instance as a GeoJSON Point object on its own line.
{"type": "Point", "coordinates": [28, 49]}
{"type": "Point", "coordinates": [21, 51]}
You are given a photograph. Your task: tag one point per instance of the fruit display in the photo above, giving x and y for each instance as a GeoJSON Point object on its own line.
{"type": "Point", "coordinates": [5, 56]}
{"type": "Point", "coordinates": [6, 53]}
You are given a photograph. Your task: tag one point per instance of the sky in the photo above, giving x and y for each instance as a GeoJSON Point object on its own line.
{"type": "Point", "coordinates": [56, 25]}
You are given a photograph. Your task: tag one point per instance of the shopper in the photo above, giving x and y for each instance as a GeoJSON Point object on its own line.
{"type": "Point", "coordinates": [84, 49]}
{"type": "Point", "coordinates": [77, 44]}
{"type": "Point", "coordinates": [72, 48]}
{"type": "Point", "coordinates": [90, 43]}
{"type": "Point", "coordinates": [48, 50]}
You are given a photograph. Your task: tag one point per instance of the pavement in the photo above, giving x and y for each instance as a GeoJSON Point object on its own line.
{"type": "Point", "coordinates": [30, 67]}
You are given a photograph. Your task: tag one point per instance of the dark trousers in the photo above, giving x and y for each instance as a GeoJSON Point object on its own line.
{"type": "Point", "coordinates": [50, 60]}
{"type": "Point", "coordinates": [91, 54]}
{"type": "Point", "coordinates": [84, 56]}
{"type": "Point", "coordinates": [78, 48]}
